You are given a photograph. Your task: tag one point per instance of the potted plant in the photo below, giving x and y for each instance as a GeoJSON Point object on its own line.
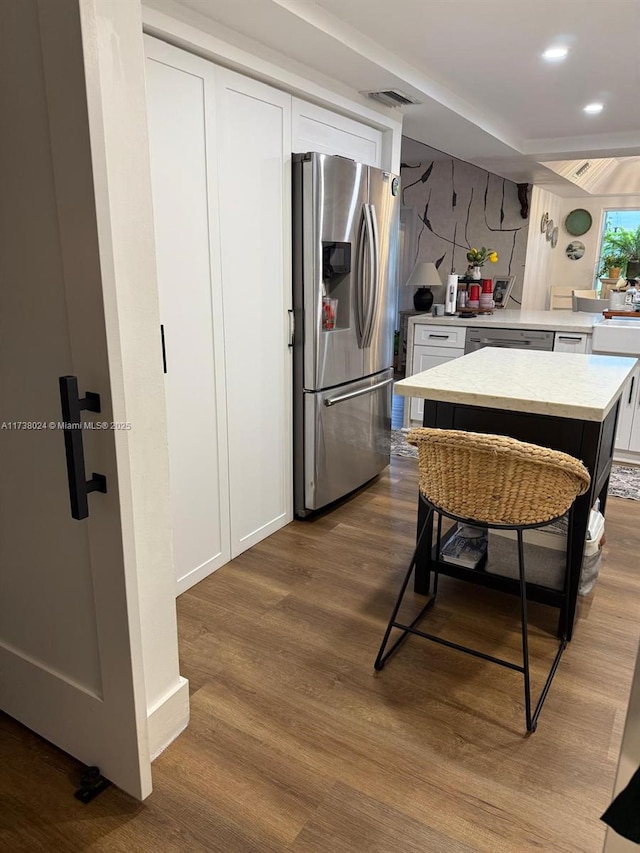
{"type": "Point", "coordinates": [477, 259]}
{"type": "Point", "coordinates": [625, 243]}
{"type": "Point", "coordinates": [612, 265]}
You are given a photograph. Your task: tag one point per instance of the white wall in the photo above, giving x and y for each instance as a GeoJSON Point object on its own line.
{"type": "Point", "coordinates": [581, 274]}
{"type": "Point", "coordinates": [545, 266]}
{"type": "Point", "coordinates": [456, 206]}
{"type": "Point", "coordinates": [540, 258]}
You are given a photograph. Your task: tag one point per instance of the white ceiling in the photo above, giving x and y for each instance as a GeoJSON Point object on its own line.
{"type": "Point", "coordinates": [487, 95]}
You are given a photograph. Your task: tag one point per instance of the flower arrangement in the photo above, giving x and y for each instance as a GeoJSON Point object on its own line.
{"type": "Point", "coordinates": [478, 257]}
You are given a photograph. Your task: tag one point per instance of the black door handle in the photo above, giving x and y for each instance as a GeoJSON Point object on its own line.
{"type": "Point", "coordinates": [164, 349]}
{"type": "Point", "coordinates": [79, 487]}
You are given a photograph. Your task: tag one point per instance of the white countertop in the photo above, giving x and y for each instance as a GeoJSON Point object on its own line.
{"type": "Point", "coordinates": [568, 385]}
{"type": "Point", "coordinates": [553, 321]}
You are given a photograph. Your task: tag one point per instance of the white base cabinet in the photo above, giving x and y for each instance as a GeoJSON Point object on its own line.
{"type": "Point", "coordinates": [570, 342]}
{"type": "Point", "coordinates": [429, 345]}
{"type": "Point", "coordinates": [627, 443]}
{"type": "Point", "coordinates": [220, 155]}
{"type": "Point", "coordinates": [425, 358]}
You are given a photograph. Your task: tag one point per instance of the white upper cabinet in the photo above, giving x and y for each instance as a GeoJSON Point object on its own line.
{"type": "Point", "coordinates": [317, 129]}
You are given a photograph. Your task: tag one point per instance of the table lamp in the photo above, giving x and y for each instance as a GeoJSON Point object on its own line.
{"type": "Point", "coordinates": [424, 277]}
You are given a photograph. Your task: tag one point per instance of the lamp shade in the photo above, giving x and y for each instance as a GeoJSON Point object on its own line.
{"type": "Point", "coordinates": [424, 275]}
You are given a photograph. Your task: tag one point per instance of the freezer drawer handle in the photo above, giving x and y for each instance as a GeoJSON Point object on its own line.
{"type": "Point", "coordinates": [333, 400]}
{"type": "Point", "coordinates": [79, 487]}
{"type": "Point", "coordinates": [441, 337]}
{"type": "Point", "coordinates": [569, 338]}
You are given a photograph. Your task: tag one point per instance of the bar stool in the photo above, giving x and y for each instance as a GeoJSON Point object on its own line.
{"type": "Point", "coordinates": [489, 481]}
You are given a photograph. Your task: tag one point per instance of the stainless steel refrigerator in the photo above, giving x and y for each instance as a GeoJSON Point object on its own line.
{"type": "Point", "coordinates": [345, 233]}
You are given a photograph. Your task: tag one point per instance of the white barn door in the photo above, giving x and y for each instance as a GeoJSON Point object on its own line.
{"type": "Point", "coordinates": [71, 666]}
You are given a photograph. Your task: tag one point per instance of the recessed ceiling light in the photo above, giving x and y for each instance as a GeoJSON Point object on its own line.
{"type": "Point", "coordinates": [555, 54]}
{"type": "Point", "coordinates": [592, 109]}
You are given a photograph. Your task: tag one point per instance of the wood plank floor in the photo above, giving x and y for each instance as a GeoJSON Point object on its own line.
{"type": "Point", "coordinates": [295, 744]}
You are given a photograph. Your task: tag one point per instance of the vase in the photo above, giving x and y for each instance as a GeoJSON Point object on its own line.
{"type": "Point", "coordinates": [476, 273]}
{"type": "Point", "coordinates": [423, 299]}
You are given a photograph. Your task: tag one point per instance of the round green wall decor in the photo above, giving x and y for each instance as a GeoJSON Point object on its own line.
{"type": "Point", "coordinates": [578, 222]}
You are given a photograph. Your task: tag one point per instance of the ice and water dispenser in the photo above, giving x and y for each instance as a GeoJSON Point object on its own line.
{"type": "Point", "coordinates": [336, 266]}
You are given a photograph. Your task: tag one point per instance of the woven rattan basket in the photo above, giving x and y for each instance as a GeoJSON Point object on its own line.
{"type": "Point", "coordinates": [496, 479]}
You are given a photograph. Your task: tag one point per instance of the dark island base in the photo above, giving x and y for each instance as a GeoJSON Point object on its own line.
{"type": "Point", "coordinates": [590, 441]}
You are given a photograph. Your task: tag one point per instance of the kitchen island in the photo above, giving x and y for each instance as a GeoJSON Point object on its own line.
{"type": "Point", "coordinates": [433, 340]}
{"type": "Point", "coordinates": [565, 401]}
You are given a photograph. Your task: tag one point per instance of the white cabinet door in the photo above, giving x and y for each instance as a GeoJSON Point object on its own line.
{"type": "Point", "coordinates": [315, 128]}
{"type": "Point", "coordinates": [425, 358]}
{"type": "Point", "coordinates": [221, 176]}
{"type": "Point", "coordinates": [570, 342]}
{"type": "Point", "coordinates": [254, 167]}
{"type": "Point", "coordinates": [628, 414]}
{"type": "Point", "coordinates": [634, 430]}
{"type": "Point", "coordinates": [181, 105]}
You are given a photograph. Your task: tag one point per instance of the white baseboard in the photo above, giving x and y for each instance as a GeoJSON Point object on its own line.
{"type": "Point", "coordinates": [626, 457]}
{"type": "Point", "coordinates": [168, 718]}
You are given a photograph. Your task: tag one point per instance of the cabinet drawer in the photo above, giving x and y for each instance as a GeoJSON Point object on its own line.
{"type": "Point", "coordinates": [570, 342]}
{"type": "Point", "coordinates": [435, 335]}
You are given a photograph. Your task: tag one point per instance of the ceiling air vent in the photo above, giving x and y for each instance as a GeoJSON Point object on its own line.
{"type": "Point", "coordinates": [392, 98]}
{"type": "Point", "coordinates": [580, 172]}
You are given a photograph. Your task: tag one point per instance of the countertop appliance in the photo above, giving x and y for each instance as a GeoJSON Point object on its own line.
{"type": "Point", "coordinates": [451, 295]}
{"type": "Point", "coordinates": [345, 233]}
{"type": "Point", "coordinates": [507, 339]}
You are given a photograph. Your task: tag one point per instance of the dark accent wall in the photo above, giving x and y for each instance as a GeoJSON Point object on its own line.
{"type": "Point", "coordinates": [455, 206]}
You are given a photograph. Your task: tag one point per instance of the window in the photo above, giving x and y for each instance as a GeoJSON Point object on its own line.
{"type": "Point", "coordinates": [619, 224]}
{"type": "Point", "coordinates": [629, 219]}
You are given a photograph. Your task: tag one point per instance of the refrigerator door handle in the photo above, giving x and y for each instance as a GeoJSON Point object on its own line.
{"type": "Point", "coordinates": [372, 296]}
{"type": "Point", "coordinates": [292, 327]}
{"type": "Point", "coordinates": [331, 401]}
{"type": "Point", "coordinates": [360, 277]}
